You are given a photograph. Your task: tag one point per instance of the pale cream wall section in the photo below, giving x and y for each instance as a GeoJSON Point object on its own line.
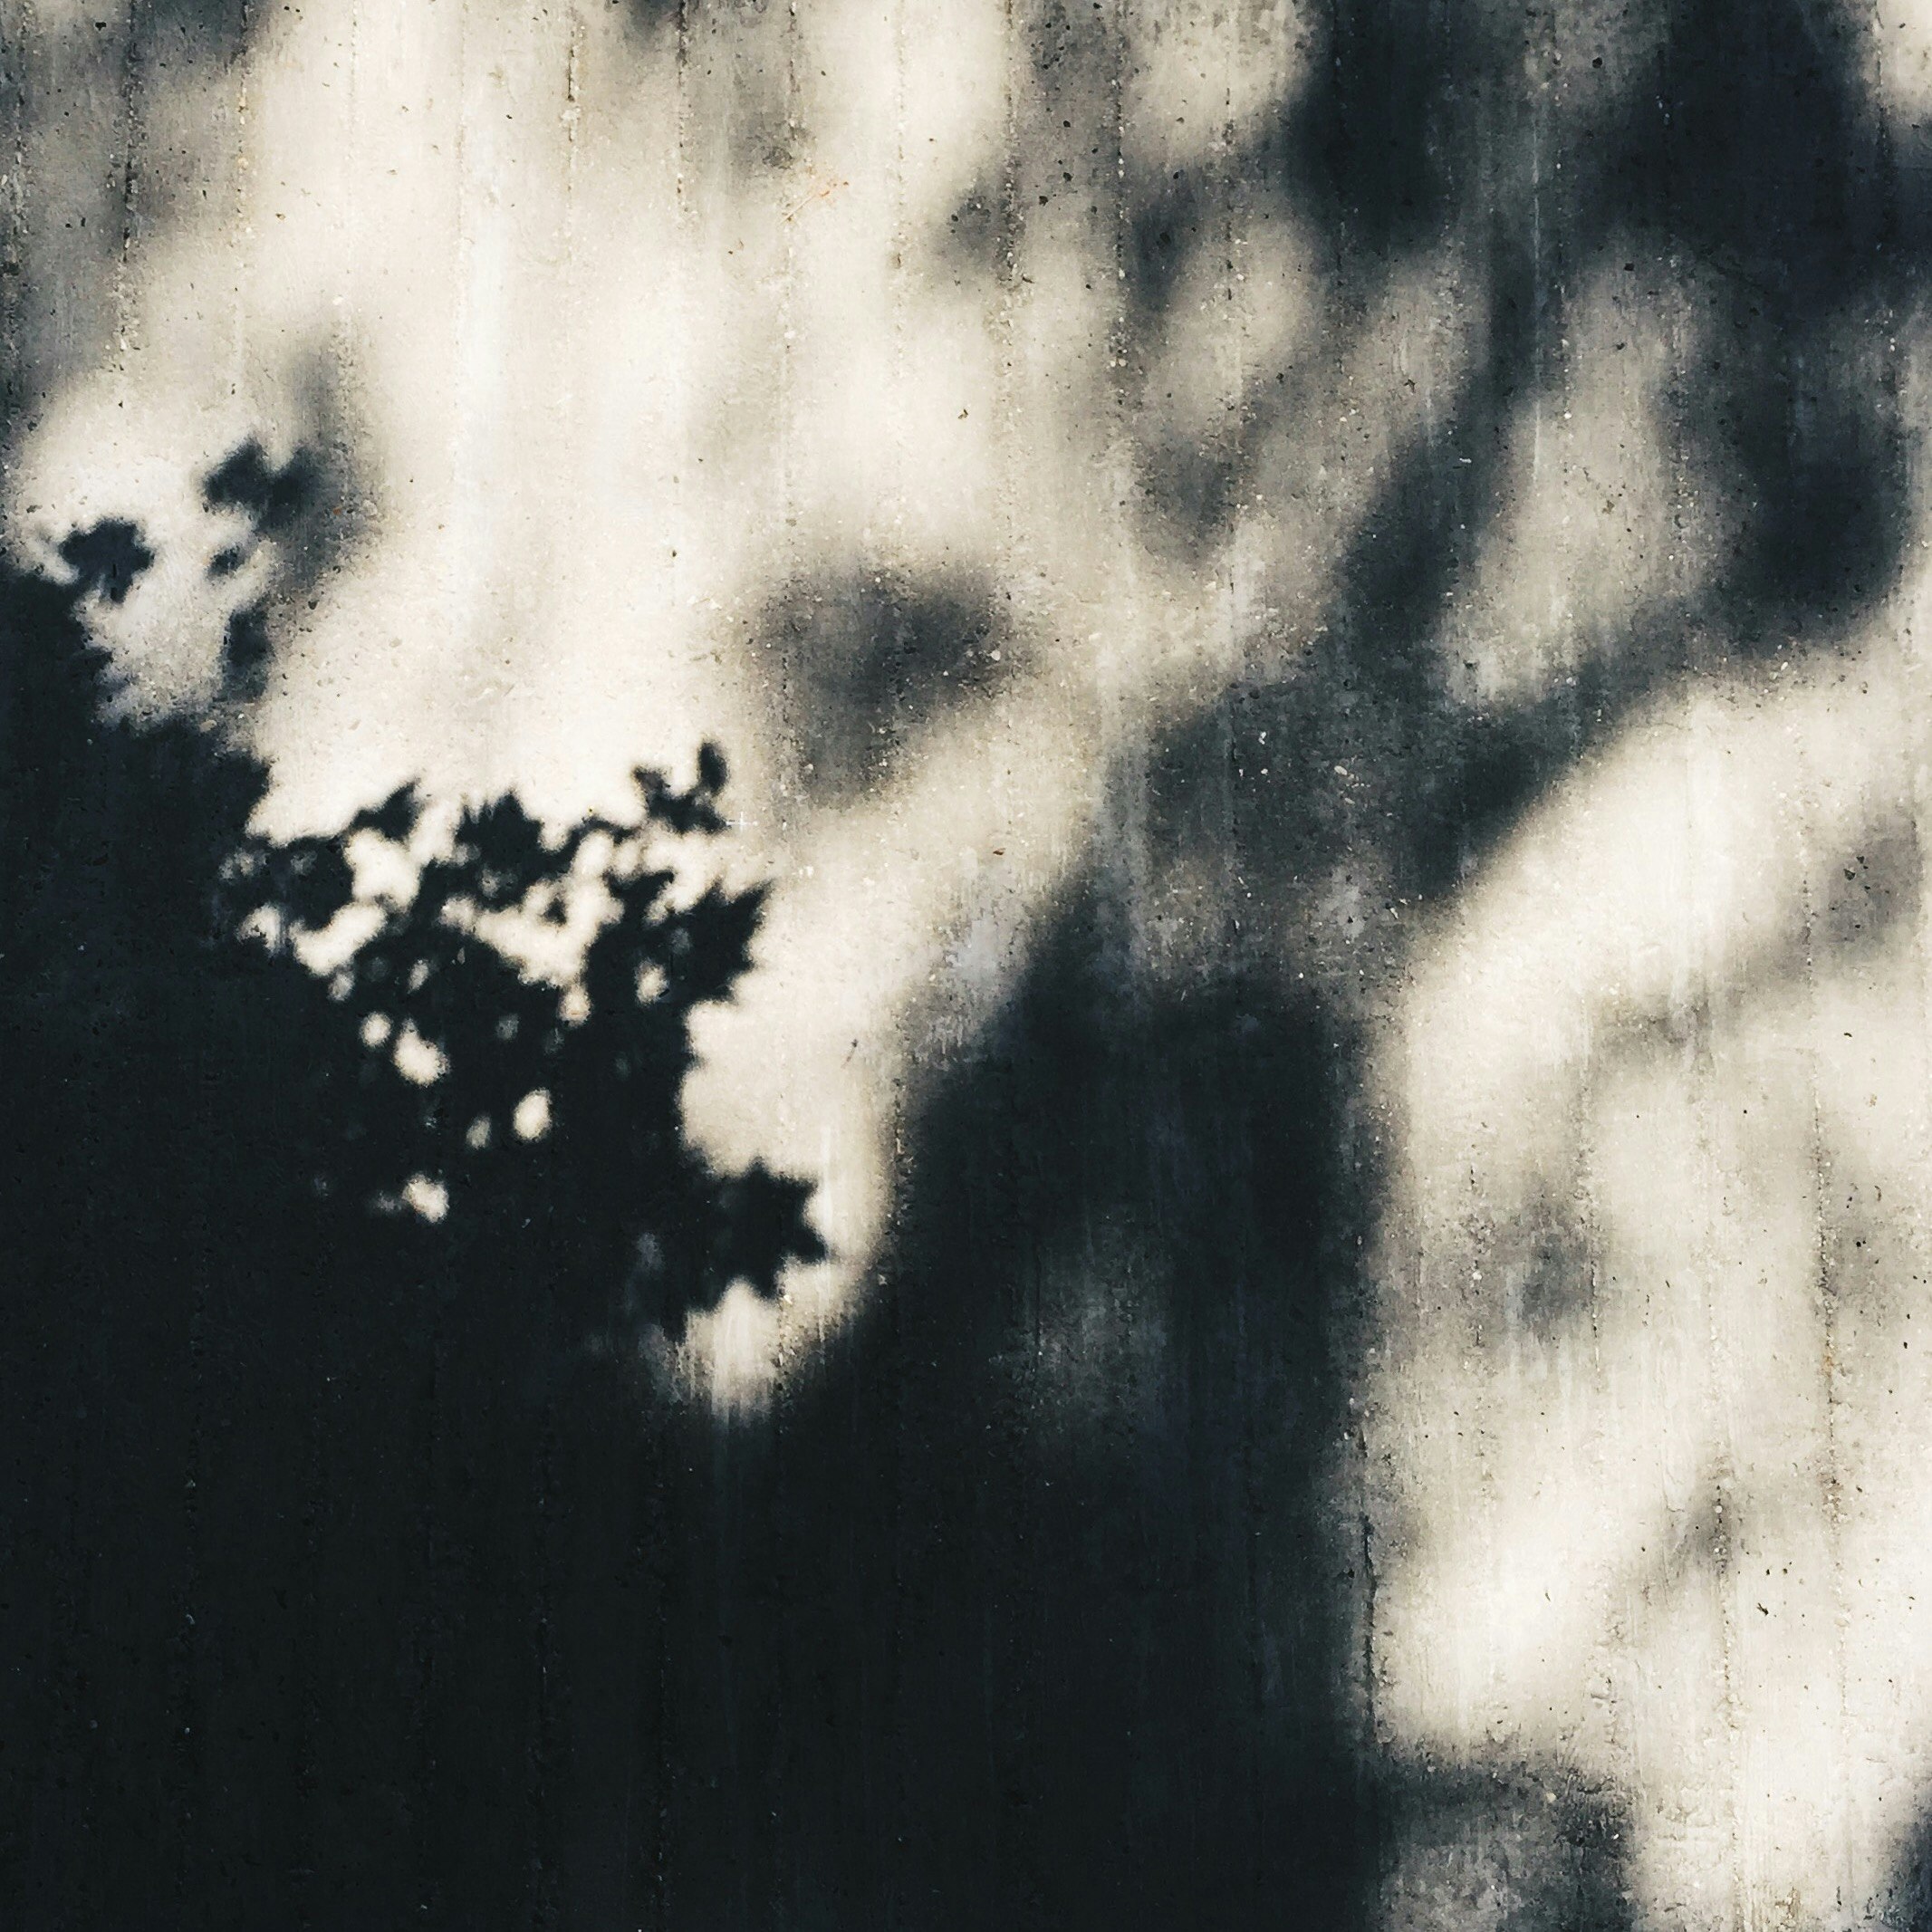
{"type": "Point", "coordinates": [1650, 1447]}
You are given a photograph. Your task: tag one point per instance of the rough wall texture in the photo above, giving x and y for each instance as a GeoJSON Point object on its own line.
{"type": "Point", "coordinates": [1314, 612]}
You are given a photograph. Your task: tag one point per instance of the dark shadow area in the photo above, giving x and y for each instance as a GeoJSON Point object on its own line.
{"type": "Point", "coordinates": [96, 179]}
{"type": "Point", "coordinates": [174, 30]}
{"type": "Point", "coordinates": [106, 558]}
{"type": "Point", "coordinates": [1733, 136]}
{"type": "Point", "coordinates": [306, 515]}
{"type": "Point", "coordinates": [1909, 1902]}
{"type": "Point", "coordinates": [1496, 1851]}
{"type": "Point", "coordinates": [270, 498]}
{"type": "Point", "coordinates": [861, 669]}
{"type": "Point", "coordinates": [997, 1641]}
{"type": "Point", "coordinates": [979, 232]}
{"type": "Point", "coordinates": [651, 17]}
{"type": "Point", "coordinates": [324, 1306]}
{"type": "Point", "coordinates": [1739, 136]}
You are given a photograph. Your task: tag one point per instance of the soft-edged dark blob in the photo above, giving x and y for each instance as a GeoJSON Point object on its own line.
{"type": "Point", "coordinates": [271, 498]}
{"type": "Point", "coordinates": [861, 669]}
{"type": "Point", "coordinates": [106, 557]}
{"type": "Point", "coordinates": [246, 646]}
{"type": "Point", "coordinates": [198, 30]}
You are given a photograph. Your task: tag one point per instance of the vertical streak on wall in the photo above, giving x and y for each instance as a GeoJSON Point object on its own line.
{"type": "Point", "coordinates": [13, 28]}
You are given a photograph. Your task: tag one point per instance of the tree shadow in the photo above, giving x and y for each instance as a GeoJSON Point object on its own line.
{"type": "Point", "coordinates": [355, 1575]}
{"type": "Point", "coordinates": [1742, 138]}
{"type": "Point", "coordinates": [328, 1300]}
{"type": "Point", "coordinates": [1045, 1602]}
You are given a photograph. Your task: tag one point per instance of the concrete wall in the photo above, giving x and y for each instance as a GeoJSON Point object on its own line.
{"type": "Point", "coordinates": [1315, 611]}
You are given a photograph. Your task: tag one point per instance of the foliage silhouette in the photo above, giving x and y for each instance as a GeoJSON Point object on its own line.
{"type": "Point", "coordinates": [129, 863]}
{"type": "Point", "coordinates": [329, 1295]}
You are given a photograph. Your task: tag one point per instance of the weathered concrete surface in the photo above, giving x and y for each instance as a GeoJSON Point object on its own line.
{"type": "Point", "coordinates": [1316, 612]}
